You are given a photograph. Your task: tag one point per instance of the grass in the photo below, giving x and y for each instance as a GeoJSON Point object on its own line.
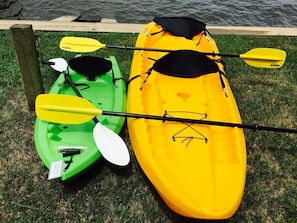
{"type": "Point", "coordinates": [107, 194]}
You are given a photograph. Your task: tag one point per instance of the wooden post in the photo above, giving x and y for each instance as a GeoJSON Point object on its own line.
{"type": "Point", "coordinates": [27, 57]}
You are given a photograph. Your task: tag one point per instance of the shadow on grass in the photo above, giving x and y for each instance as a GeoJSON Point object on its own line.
{"type": "Point", "coordinates": [80, 182]}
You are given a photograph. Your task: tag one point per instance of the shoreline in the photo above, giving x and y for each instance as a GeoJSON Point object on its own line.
{"type": "Point", "coordinates": [67, 23]}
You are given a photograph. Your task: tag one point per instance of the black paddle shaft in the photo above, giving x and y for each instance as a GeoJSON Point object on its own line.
{"type": "Point", "coordinates": [202, 122]}
{"type": "Point", "coordinates": [167, 50]}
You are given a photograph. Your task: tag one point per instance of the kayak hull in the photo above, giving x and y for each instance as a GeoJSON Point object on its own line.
{"type": "Point", "coordinates": [50, 138]}
{"type": "Point", "coordinates": [198, 170]}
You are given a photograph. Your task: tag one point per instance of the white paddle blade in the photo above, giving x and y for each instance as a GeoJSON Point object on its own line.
{"type": "Point", "coordinates": [60, 64]}
{"type": "Point", "coordinates": [111, 145]}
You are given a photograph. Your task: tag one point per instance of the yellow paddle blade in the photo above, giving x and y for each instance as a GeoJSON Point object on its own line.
{"type": "Point", "coordinates": [265, 57]}
{"type": "Point", "coordinates": [64, 109]}
{"type": "Point", "coordinates": [80, 44]}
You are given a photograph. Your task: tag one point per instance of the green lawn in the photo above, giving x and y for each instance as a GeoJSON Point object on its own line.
{"type": "Point", "coordinates": [108, 194]}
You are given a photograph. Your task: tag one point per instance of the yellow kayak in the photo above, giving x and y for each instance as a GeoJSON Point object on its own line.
{"type": "Point", "coordinates": [199, 170]}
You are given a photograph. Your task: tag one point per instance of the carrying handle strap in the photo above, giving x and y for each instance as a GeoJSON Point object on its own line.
{"type": "Point", "coordinates": [154, 33]}
{"type": "Point", "coordinates": [221, 74]}
{"type": "Point", "coordinates": [147, 76]}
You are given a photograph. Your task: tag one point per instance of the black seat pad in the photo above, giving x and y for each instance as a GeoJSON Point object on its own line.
{"type": "Point", "coordinates": [185, 63]}
{"type": "Point", "coordinates": [181, 26]}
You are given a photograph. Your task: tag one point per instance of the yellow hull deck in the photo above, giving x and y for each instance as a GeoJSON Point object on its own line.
{"type": "Point", "coordinates": [198, 170]}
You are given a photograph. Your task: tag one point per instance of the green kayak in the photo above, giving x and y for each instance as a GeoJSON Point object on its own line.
{"type": "Point", "coordinates": [100, 81]}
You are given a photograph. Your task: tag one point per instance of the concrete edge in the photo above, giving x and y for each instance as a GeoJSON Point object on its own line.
{"type": "Point", "coordinates": [110, 25]}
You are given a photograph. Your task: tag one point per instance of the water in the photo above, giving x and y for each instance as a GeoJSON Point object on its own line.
{"type": "Point", "coordinates": [276, 13]}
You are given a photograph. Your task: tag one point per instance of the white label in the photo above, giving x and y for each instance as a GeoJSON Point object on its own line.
{"type": "Point", "coordinates": [55, 170]}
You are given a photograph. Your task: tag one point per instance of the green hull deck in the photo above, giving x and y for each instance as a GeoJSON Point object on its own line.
{"type": "Point", "coordinates": [107, 91]}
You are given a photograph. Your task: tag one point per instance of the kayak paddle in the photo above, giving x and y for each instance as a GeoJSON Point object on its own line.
{"type": "Point", "coordinates": [72, 110]}
{"type": "Point", "coordinates": [110, 145]}
{"type": "Point", "coordinates": [258, 57]}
